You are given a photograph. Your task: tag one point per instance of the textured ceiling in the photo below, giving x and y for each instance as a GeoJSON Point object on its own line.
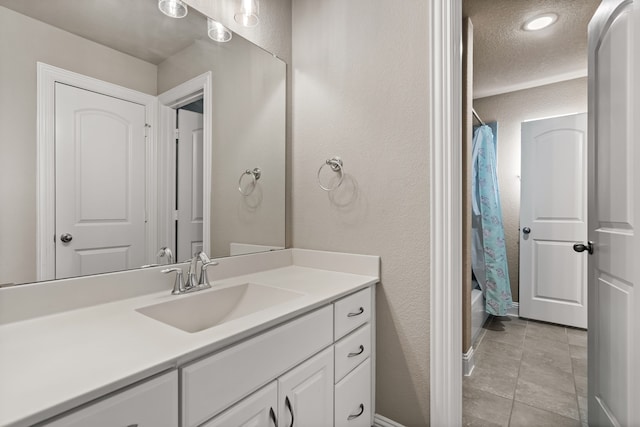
{"type": "Point", "coordinates": [507, 58]}
{"type": "Point", "coordinates": [135, 27]}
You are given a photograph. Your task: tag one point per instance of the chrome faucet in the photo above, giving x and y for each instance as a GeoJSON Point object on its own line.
{"type": "Point", "coordinates": [192, 283]}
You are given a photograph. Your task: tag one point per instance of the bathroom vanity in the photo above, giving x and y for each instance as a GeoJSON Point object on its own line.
{"type": "Point", "coordinates": [282, 338]}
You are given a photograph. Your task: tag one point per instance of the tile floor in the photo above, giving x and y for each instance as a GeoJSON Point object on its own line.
{"type": "Point", "coordinates": [527, 373]}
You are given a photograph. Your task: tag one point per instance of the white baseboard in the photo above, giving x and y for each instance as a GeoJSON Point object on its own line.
{"type": "Point", "coordinates": [514, 310]}
{"type": "Point", "coordinates": [380, 421]}
{"type": "Point", "coordinates": [468, 362]}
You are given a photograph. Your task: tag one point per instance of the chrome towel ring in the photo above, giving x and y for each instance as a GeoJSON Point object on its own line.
{"type": "Point", "coordinates": [255, 176]}
{"type": "Point", "coordinates": [336, 165]}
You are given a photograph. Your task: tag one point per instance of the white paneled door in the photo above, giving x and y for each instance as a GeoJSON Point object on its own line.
{"type": "Point", "coordinates": [614, 201]}
{"type": "Point", "coordinates": [100, 182]}
{"type": "Point", "coordinates": [190, 180]}
{"type": "Point", "coordinates": [553, 217]}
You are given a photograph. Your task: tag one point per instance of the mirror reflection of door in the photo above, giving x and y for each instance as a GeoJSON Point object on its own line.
{"type": "Point", "coordinates": [189, 156]}
{"type": "Point", "coordinates": [100, 182]}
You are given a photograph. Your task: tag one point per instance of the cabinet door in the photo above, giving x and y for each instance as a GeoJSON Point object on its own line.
{"type": "Point", "coordinates": [257, 410]}
{"type": "Point", "coordinates": [153, 403]}
{"type": "Point", "coordinates": [305, 394]}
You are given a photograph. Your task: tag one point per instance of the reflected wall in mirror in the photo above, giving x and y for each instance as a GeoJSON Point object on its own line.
{"type": "Point", "coordinates": [133, 46]}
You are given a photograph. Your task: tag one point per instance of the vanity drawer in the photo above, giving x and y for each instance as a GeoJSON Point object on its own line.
{"type": "Point", "coordinates": [212, 384]}
{"type": "Point", "coordinates": [351, 312]}
{"type": "Point", "coordinates": [351, 350]}
{"type": "Point", "coordinates": [353, 398]}
{"type": "Point", "coordinates": [153, 403]}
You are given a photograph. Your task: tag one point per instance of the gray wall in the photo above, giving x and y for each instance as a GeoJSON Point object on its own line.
{"type": "Point", "coordinates": [23, 42]}
{"type": "Point", "coordinates": [510, 110]}
{"type": "Point", "coordinates": [360, 92]}
{"type": "Point", "coordinates": [273, 34]}
{"type": "Point", "coordinates": [247, 83]}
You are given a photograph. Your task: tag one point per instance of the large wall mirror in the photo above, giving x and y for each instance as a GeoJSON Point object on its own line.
{"type": "Point", "coordinates": [124, 131]}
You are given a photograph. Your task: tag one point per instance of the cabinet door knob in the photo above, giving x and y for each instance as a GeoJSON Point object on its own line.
{"type": "Point", "coordinates": [353, 417]}
{"type": "Point", "coordinates": [358, 313]}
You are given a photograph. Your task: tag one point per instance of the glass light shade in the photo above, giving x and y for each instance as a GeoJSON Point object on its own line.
{"type": "Point", "coordinates": [218, 32]}
{"type": "Point", "coordinates": [173, 8]}
{"type": "Point", "coordinates": [248, 14]}
{"type": "Point", "coordinates": [540, 22]}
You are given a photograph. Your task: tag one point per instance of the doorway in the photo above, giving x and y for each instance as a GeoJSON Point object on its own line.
{"type": "Point", "coordinates": [189, 167]}
{"type": "Point", "coordinates": [184, 178]}
{"type": "Point", "coordinates": [517, 97]}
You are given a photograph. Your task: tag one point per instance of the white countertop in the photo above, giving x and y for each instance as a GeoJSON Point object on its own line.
{"type": "Point", "coordinates": [53, 363]}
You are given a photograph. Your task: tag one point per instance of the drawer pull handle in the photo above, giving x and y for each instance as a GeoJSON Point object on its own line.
{"type": "Point", "coordinates": [357, 353]}
{"type": "Point", "coordinates": [360, 311]}
{"type": "Point", "coordinates": [353, 417]}
{"type": "Point", "coordinates": [132, 425]}
{"type": "Point", "coordinates": [287, 403]}
{"type": "Point", "coordinates": [272, 414]}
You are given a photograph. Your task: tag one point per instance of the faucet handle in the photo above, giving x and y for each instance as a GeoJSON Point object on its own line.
{"type": "Point", "coordinates": [204, 280]}
{"type": "Point", "coordinates": [178, 285]}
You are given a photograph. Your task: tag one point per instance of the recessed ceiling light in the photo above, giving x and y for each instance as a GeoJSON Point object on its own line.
{"type": "Point", "coordinates": [539, 22]}
{"type": "Point", "coordinates": [218, 32]}
{"type": "Point", "coordinates": [173, 8]}
{"type": "Point", "coordinates": [247, 16]}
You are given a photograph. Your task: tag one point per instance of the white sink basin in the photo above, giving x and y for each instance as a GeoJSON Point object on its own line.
{"type": "Point", "coordinates": [202, 310]}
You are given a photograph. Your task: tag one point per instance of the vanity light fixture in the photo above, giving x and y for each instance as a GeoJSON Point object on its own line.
{"type": "Point", "coordinates": [173, 8]}
{"type": "Point", "coordinates": [248, 14]}
{"type": "Point", "coordinates": [218, 32]}
{"type": "Point", "coordinates": [539, 22]}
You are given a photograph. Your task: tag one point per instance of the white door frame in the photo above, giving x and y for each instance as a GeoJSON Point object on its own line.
{"type": "Point", "coordinates": [183, 94]}
{"type": "Point", "coordinates": [445, 140]}
{"type": "Point", "coordinates": [47, 77]}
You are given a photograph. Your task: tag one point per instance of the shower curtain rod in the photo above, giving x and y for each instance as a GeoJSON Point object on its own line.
{"type": "Point", "coordinates": [473, 110]}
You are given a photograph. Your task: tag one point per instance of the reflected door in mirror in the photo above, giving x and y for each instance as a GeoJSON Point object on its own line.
{"type": "Point", "coordinates": [190, 159]}
{"type": "Point", "coordinates": [100, 183]}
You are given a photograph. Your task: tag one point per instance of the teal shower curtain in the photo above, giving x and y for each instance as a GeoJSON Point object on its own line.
{"type": "Point", "coordinates": [488, 254]}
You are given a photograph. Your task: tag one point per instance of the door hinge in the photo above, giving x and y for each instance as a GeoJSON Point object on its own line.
{"type": "Point", "coordinates": [177, 133]}
{"type": "Point", "coordinates": [175, 215]}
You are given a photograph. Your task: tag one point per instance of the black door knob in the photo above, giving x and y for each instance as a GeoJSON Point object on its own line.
{"type": "Point", "coordinates": [526, 230]}
{"type": "Point", "coordinates": [66, 238]}
{"type": "Point", "coordinates": [580, 247]}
